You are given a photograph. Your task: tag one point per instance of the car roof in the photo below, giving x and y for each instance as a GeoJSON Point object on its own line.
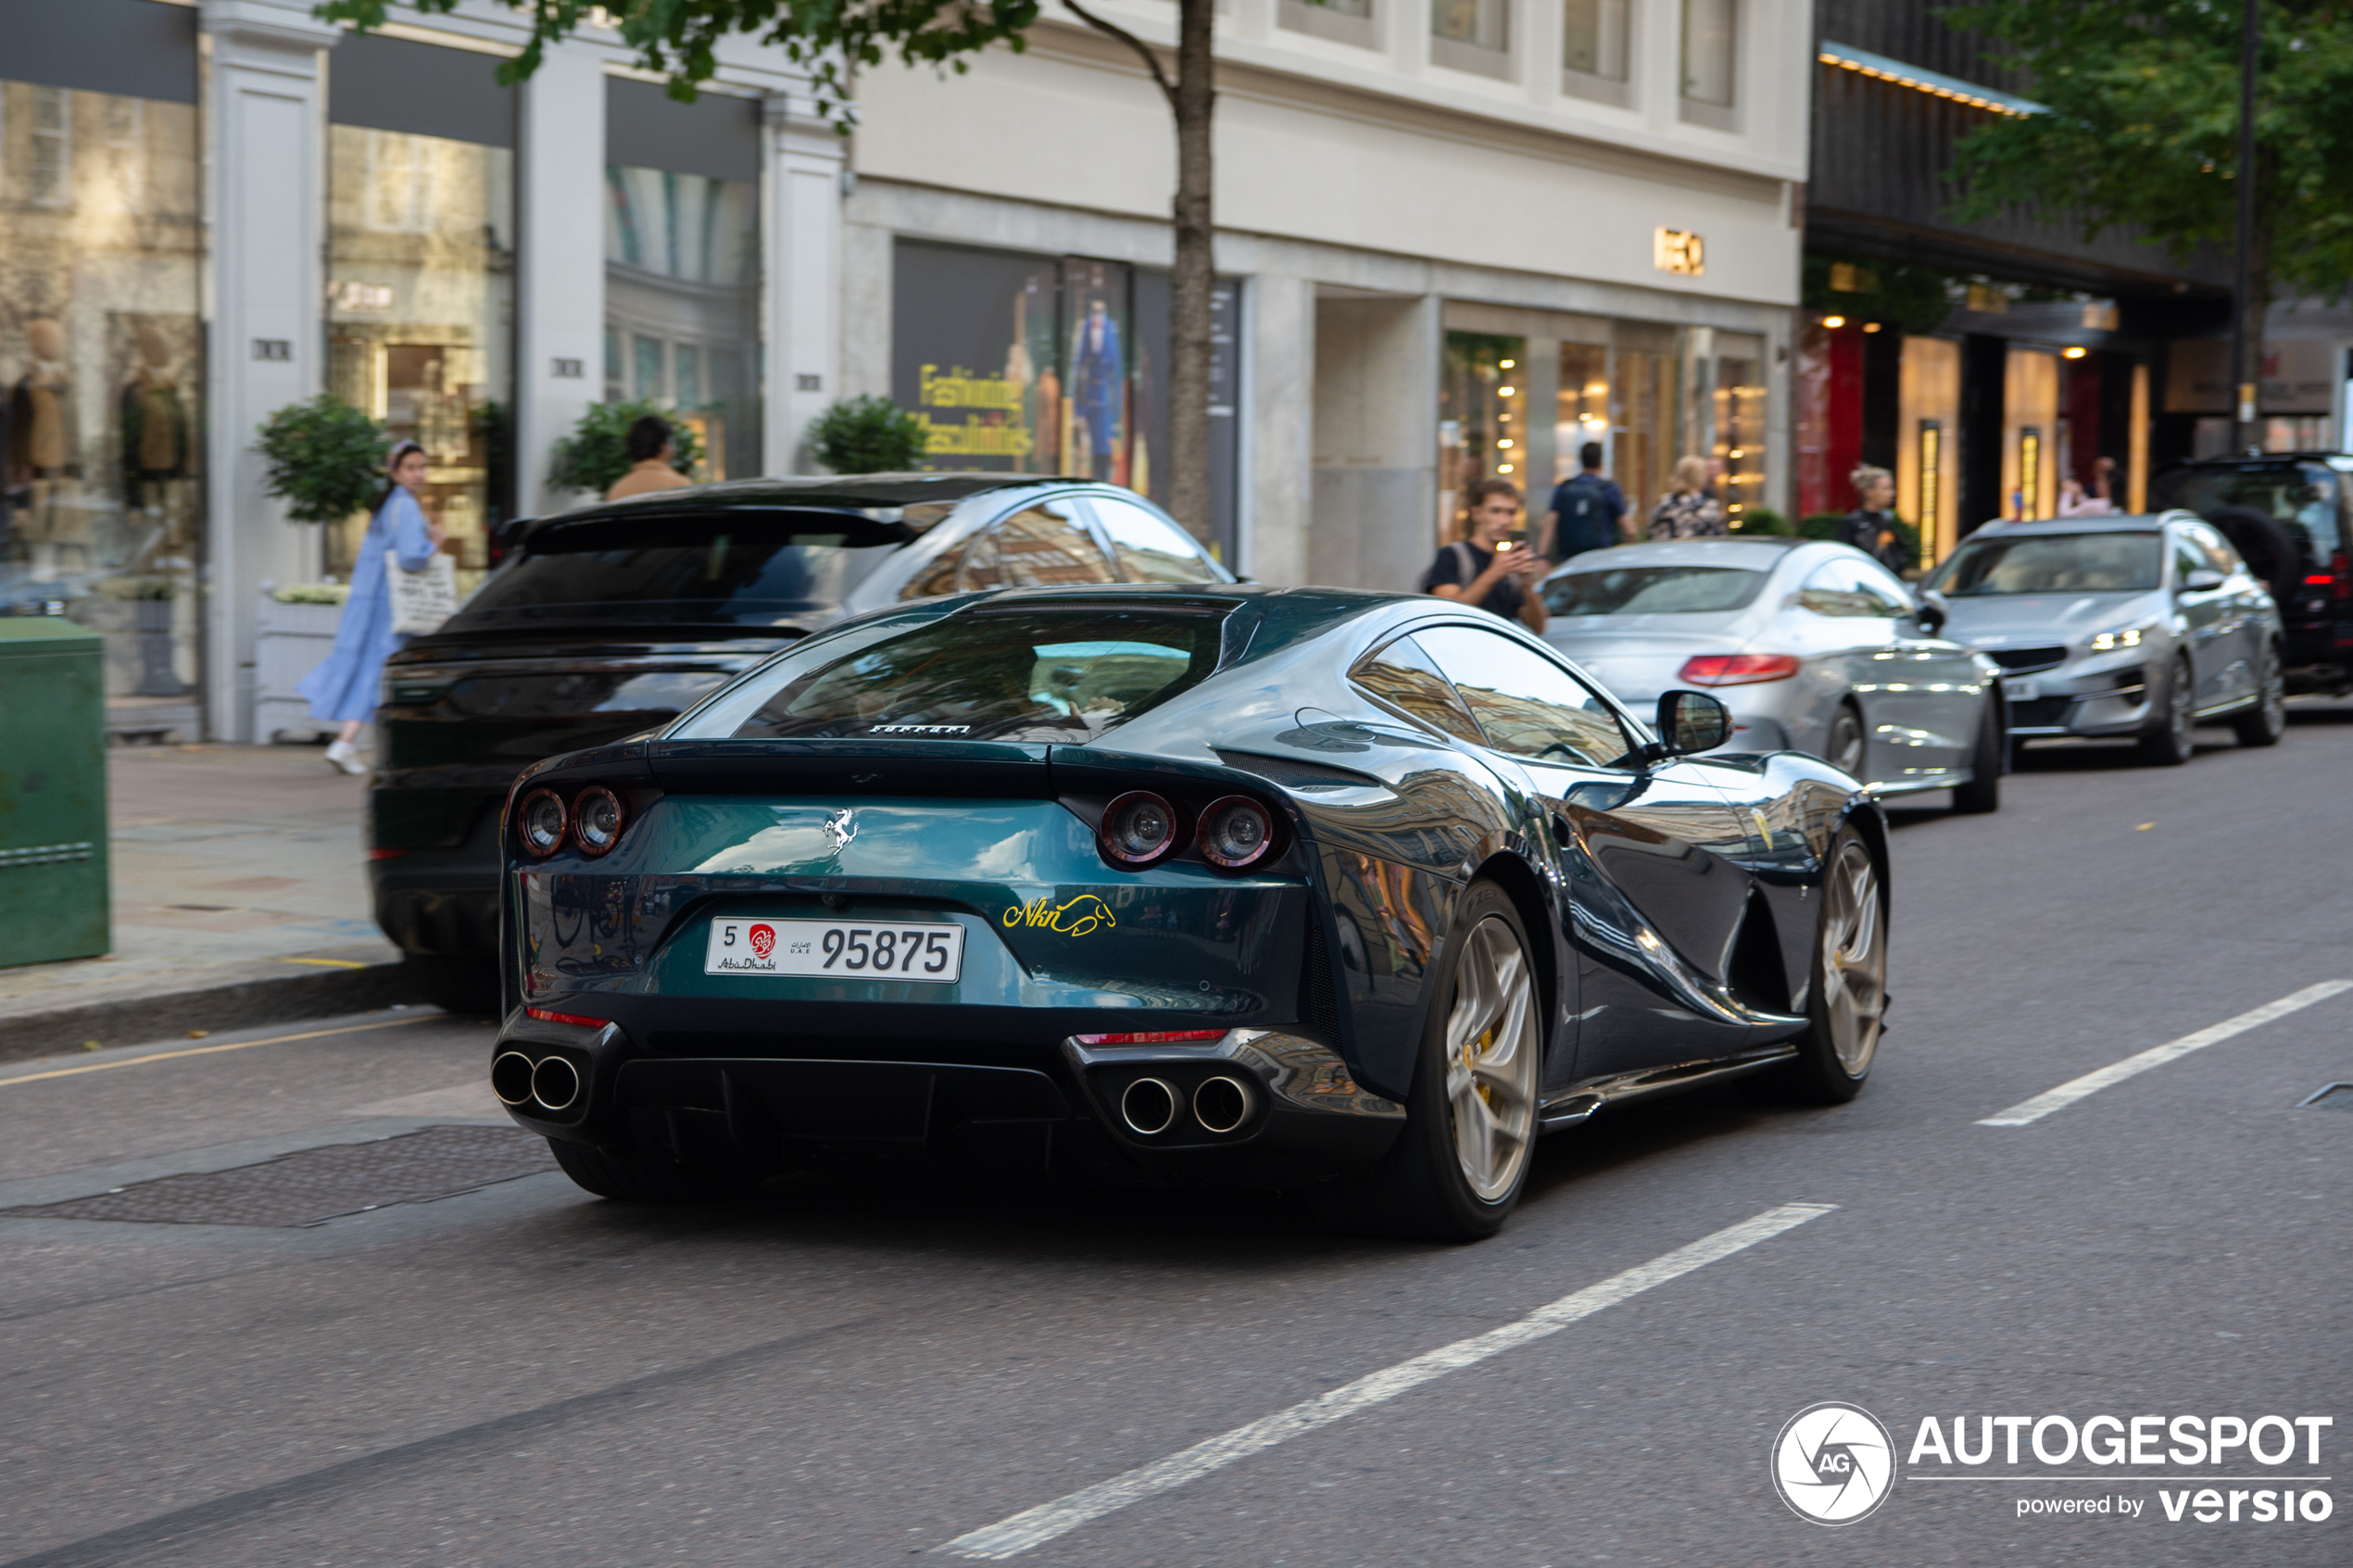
{"type": "Point", "coordinates": [1760, 553]}
{"type": "Point", "coordinates": [2113, 522]}
{"type": "Point", "coordinates": [865, 491]}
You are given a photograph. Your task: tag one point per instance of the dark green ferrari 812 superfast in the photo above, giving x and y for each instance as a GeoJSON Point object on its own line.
{"type": "Point", "coordinates": [1296, 889]}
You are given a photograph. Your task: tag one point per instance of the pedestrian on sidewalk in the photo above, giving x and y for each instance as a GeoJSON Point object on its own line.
{"type": "Point", "coordinates": [1588, 509]}
{"type": "Point", "coordinates": [342, 690]}
{"type": "Point", "coordinates": [1871, 527]}
{"type": "Point", "coordinates": [1492, 567]}
{"type": "Point", "coordinates": [1688, 511]}
{"type": "Point", "coordinates": [652, 459]}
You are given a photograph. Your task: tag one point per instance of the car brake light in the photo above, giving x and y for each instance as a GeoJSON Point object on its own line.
{"type": "Point", "coordinates": [1737, 668]}
{"type": "Point", "coordinates": [1138, 829]}
{"type": "Point", "coordinates": [387, 854]}
{"type": "Point", "coordinates": [1152, 1038]}
{"type": "Point", "coordinates": [2320, 579]}
{"type": "Point", "coordinates": [544, 1016]}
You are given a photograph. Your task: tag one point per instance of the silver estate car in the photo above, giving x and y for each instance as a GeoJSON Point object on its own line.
{"type": "Point", "coordinates": [2138, 626]}
{"type": "Point", "coordinates": [1813, 646]}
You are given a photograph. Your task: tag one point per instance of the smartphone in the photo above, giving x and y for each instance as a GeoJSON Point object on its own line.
{"type": "Point", "coordinates": [1515, 540]}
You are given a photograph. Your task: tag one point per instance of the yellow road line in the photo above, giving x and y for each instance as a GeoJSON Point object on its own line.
{"type": "Point", "coordinates": [207, 1051]}
{"type": "Point", "coordinates": [328, 963]}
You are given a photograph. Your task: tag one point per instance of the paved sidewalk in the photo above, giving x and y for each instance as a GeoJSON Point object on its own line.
{"type": "Point", "coordinates": [240, 888]}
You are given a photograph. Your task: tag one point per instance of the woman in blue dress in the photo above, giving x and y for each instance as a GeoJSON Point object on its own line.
{"type": "Point", "coordinates": [343, 689]}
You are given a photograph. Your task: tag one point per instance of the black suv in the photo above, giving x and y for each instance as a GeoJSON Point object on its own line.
{"type": "Point", "coordinates": [611, 619]}
{"type": "Point", "coordinates": [2290, 516]}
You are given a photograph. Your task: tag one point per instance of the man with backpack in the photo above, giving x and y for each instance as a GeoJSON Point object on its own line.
{"type": "Point", "coordinates": [1586, 511]}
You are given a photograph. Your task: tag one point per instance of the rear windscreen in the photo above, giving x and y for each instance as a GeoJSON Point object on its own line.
{"type": "Point", "coordinates": [738, 567]}
{"type": "Point", "coordinates": [1653, 589]}
{"type": "Point", "coordinates": [2051, 563]}
{"type": "Point", "coordinates": [1062, 676]}
{"type": "Point", "coordinates": [2300, 495]}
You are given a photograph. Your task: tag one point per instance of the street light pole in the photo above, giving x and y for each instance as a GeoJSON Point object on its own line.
{"type": "Point", "coordinates": [2247, 326]}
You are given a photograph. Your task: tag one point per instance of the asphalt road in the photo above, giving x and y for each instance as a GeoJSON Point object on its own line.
{"type": "Point", "coordinates": [521, 1374]}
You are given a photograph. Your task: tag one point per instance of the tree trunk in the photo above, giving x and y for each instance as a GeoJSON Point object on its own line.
{"type": "Point", "coordinates": [1192, 320]}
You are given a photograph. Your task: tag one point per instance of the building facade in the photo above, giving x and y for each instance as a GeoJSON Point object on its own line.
{"type": "Point", "coordinates": [1988, 364]}
{"type": "Point", "coordinates": [1457, 240]}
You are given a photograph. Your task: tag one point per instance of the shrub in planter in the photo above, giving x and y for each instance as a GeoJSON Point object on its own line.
{"type": "Point", "coordinates": [325, 457]}
{"type": "Point", "coordinates": [867, 435]}
{"type": "Point", "coordinates": [596, 452]}
{"type": "Point", "coordinates": [1763, 519]}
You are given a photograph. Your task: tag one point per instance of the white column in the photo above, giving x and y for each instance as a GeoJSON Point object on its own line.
{"type": "Point", "coordinates": [1278, 464]}
{"type": "Point", "coordinates": [560, 283]}
{"type": "Point", "coordinates": [804, 162]}
{"type": "Point", "coordinates": [265, 200]}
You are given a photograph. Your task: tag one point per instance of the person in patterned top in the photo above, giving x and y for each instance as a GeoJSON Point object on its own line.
{"type": "Point", "coordinates": [1688, 511]}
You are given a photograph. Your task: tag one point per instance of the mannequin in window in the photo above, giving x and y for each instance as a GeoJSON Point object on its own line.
{"type": "Point", "coordinates": [1099, 384]}
{"type": "Point", "coordinates": [44, 455]}
{"type": "Point", "coordinates": [157, 450]}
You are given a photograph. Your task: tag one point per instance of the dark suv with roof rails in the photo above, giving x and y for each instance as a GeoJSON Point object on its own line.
{"type": "Point", "coordinates": [601, 622]}
{"type": "Point", "coordinates": [2290, 516]}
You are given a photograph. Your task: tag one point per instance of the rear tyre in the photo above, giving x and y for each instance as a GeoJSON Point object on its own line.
{"type": "Point", "coordinates": [2264, 724]}
{"type": "Point", "coordinates": [454, 983]}
{"type": "Point", "coordinates": [1455, 1172]}
{"type": "Point", "coordinates": [1844, 749]}
{"type": "Point", "coordinates": [2174, 740]}
{"type": "Point", "coordinates": [1846, 1001]}
{"type": "Point", "coordinates": [1984, 790]}
{"type": "Point", "coordinates": [645, 1181]}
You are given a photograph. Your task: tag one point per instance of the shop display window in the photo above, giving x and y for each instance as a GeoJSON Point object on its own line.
{"type": "Point", "coordinates": [682, 288]}
{"type": "Point", "coordinates": [101, 371]}
{"type": "Point", "coordinates": [1737, 447]}
{"type": "Point", "coordinates": [421, 319]}
{"type": "Point", "coordinates": [1581, 411]}
{"type": "Point", "coordinates": [1643, 428]}
{"type": "Point", "coordinates": [1482, 419]}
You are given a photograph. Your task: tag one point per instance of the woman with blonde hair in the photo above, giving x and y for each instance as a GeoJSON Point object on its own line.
{"type": "Point", "coordinates": [1871, 527]}
{"type": "Point", "coordinates": [1688, 511]}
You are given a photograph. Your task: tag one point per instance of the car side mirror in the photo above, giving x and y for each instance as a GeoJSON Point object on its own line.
{"type": "Point", "coordinates": [1930, 613]}
{"type": "Point", "coordinates": [1689, 721]}
{"type": "Point", "coordinates": [2201, 581]}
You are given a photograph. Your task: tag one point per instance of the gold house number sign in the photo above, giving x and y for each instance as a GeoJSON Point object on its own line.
{"type": "Point", "coordinates": [1678, 250]}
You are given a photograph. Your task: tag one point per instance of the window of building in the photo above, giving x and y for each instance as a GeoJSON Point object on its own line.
{"type": "Point", "coordinates": [1593, 48]}
{"type": "Point", "coordinates": [1737, 420]}
{"type": "Point", "coordinates": [1710, 61]}
{"type": "Point", "coordinates": [1346, 22]}
{"type": "Point", "coordinates": [1482, 419]}
{"type": "Point", "coordinates": [421, 274]}
{"type": "Point", "coordinates": [1581, 407]}
{"type": "Point", "coordinates": [682, 265]}
{"type": "Point", "coordinates": [1471, 35]}
{"type": "Point", "coordinates": [101, 353]}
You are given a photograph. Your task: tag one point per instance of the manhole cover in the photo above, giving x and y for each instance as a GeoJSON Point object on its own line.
{"type": "Point", "coordinates": [316, 1185]}
{"type": "Point", "coordinates": [2335, 1097]}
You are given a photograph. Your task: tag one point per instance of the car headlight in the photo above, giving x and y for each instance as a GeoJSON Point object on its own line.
{"type": "Point", "coordinates": [2120, 637]}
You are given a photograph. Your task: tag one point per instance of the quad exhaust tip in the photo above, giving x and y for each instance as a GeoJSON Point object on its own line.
{"type": "Point", "coordinates": [1222, 1104]}
{"type": "Point", "coordinates": [511, 1078]}
{"type": "Point", "coordinates": [555, 1083]}
{"type": "Point", "coordinates": [1149, 1106]}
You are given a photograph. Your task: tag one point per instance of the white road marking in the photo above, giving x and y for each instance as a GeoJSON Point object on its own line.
{"type": "Point", "coordinates": [1034, 1527]}
{"type": "Point", "coordinates": [2067, 1094]}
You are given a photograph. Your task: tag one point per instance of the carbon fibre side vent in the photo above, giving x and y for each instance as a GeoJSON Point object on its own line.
{"type": "Point", "coordinates": [1318, 1008]}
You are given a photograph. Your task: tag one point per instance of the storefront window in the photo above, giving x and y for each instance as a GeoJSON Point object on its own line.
{"type": "Point", "coordinates": [1582, 405]}
{"type": "Point", "coordinates": [1738, 448]}
{"type": "Point", "coordinates": [101, 367]}
{"type": "Point", "coordinates": [1643, 427]}
{"type": "Point", "coordinates": [1482, 422]}
{"type": "Point", "coordinates": [682, 268]}
{"type": "Point", "coordinates": [1032, 364]}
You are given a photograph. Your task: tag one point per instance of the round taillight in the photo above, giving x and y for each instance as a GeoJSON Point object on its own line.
{"type": "Point", "coordinates": [541, 823]}
{"type": "Point", "coordinates": [1139, 828]}
{"type": "Point", "coordinates": [1236, 832]}
{"type": "Point", "coordinates": [596, 820]}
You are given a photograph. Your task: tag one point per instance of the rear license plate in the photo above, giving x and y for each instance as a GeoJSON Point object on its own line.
{"type": "Point", "coordinates": [906, 950]}
{"type": "Point", "coordinates": [2020, 688]}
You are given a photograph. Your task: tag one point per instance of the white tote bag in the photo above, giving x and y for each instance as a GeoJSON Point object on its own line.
{"type": "Point", "coordinates": [421, 600]}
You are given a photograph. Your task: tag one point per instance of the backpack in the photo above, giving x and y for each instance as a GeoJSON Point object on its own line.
{"type": "Point", "coordinates": [1584, 521]}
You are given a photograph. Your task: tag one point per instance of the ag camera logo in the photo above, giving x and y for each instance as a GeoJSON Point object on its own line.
{"type": "Point", "coordinates": [1833, 1463]}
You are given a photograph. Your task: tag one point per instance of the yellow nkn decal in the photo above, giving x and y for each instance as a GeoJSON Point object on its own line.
{"type": "Point", "coordinates": [1072, 917]}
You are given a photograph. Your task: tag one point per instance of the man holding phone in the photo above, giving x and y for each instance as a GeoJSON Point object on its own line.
{"type": "Point", "coordinates": [1493, 568]}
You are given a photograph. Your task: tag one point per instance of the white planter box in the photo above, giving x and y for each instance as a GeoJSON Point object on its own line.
{"type": "Point", "coordinates": [295, 640]}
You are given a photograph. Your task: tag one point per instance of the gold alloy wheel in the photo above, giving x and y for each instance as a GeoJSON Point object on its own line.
{"type": "Point", "coordinates": [1854, 958]}
{"type": "Point", "coordinates": [1492, 1058]}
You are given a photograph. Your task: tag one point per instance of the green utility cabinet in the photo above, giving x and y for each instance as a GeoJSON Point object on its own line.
{"type": "Point", "coordinates": [52, 791]}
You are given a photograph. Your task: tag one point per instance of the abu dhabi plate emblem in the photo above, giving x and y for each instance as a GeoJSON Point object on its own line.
{"type": "Point", "coordinates": [1833, 1463]}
